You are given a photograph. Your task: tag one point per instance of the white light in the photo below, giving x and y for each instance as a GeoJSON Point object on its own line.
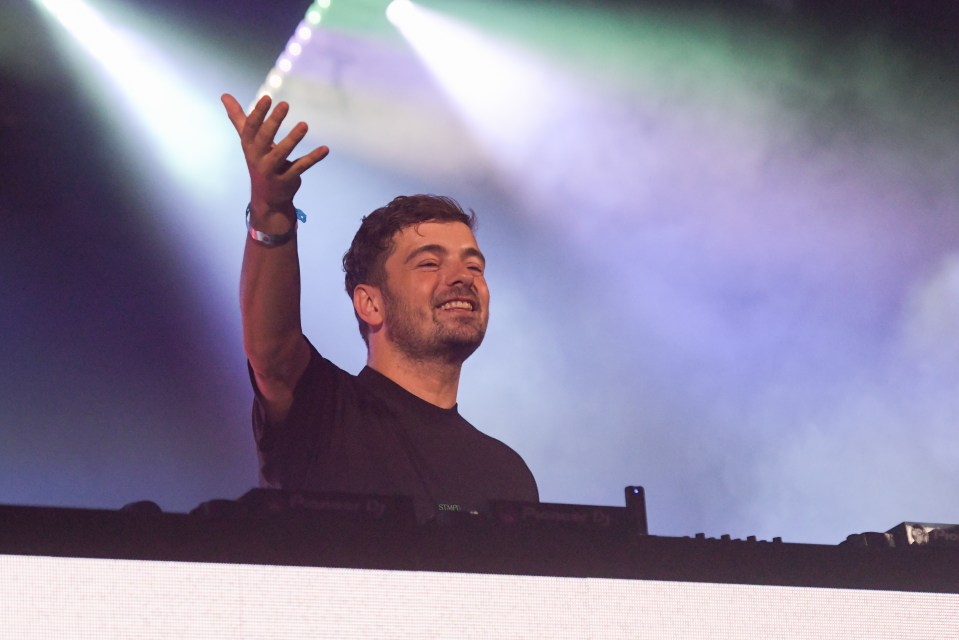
{"type": "Point", "coordinates": [93, 32]}
{"type": "Point", "coordinates": [174, 140]}
{"type": "Point", "coordinates": [274, 80]}
{"type": "Point", "coordinates": [398, 10]}
{"type": "Point", "coordinates": [304, 33]}
{"type": "Point", "coordinates": [284, 65]}
{"type": "Point", "coordinates": [499, 88]}
{"type": "Point", "coordinates": [314, 17]}
{"type": "Point", "coordinates": [295, 48]}
{"type": "Point", "coordinates": [324, 4]}
{"type": "Point", "coordinates": [157, 92]}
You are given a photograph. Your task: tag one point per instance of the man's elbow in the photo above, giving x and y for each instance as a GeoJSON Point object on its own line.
{"type": "Point", "coordinates": [280, 362]}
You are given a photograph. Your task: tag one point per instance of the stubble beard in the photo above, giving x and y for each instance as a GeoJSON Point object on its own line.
{"type": "Point", "coordinates": [421, 336]}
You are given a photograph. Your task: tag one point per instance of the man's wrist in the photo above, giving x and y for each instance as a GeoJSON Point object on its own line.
{"type": "Point", "coordinates": [271, 218]}
{"type": "Point", "coordinates": [274, 229]}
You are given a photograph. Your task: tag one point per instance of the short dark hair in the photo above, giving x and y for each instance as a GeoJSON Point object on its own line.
{"type": "Point", "coordinates": [373, 243]}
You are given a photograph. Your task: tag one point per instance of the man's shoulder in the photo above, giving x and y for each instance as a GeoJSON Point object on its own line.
{"type": "Point", "coordinates": [322, 371]}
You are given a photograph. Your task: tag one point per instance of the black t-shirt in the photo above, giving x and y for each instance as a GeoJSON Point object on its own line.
{"type": "Point", "coordinates": [366, 434]}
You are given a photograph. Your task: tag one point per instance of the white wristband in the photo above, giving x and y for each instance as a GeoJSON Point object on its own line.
{"type": "Point", "coordinates": [272, 240]}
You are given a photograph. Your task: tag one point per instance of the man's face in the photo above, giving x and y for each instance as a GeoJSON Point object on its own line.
{"type": "Point", "coordinates": [436, 300]}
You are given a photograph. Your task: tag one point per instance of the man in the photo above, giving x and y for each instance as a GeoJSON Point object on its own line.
{"type": "Point", "coordinates": [415, 275]}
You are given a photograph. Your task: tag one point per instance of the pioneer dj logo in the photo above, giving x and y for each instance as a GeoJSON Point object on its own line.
{"type": "Point", "coordinates": [943, 535]}
{"type": "Point", "coordinates": [575, 516]}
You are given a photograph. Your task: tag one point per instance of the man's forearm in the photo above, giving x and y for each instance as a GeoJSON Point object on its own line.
{"type": "Point", "coordinates": [270, 301]}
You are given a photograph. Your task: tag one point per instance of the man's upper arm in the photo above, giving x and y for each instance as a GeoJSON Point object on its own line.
{"type": "Point", "coordinates": [277, 378]}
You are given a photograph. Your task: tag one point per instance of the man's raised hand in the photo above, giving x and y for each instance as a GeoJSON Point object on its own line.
{"type": "Point", "coordinates": [274, 178]}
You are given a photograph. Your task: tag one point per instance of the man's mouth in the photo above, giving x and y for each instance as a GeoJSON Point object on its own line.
{"type": "Point", "coordinates": [466, 305]}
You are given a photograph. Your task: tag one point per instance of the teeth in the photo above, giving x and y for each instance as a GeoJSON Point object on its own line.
{"type": "Point", "coordinates": [458, 304]}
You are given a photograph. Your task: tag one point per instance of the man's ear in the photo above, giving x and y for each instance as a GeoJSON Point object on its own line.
{"type": "Point", "coordinates": [368, 303]}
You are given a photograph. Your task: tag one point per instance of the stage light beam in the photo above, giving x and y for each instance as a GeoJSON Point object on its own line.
{"type": "Point", "coordinates": [159, 95]}
{"type": "Point", "coordinates": [501, 90]}
{"type": "Point", "coordinates": [397, 10]}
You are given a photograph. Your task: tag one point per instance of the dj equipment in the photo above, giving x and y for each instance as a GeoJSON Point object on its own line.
{"type": "Point", "coordinates": [343, 565]}
{"type": "Point", "coordinates": [290, 528]}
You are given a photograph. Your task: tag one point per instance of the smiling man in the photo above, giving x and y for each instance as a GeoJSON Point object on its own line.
{"type": "Point", "coordinates": [416, 278]}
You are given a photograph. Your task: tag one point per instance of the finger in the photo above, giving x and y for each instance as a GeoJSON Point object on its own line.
{"type": "Point", "coordinates": [272, 124]}
{"type": "Point", "coordinates": [255, 120]}
{"type": "Point", "coordinates": [278, 157]}
{"type": "Point", "coordinates": [303, 163]}
{"type": "Point", "coordinates": [234, 111]}
{"type": "Point", "coordinates": [285, 146]}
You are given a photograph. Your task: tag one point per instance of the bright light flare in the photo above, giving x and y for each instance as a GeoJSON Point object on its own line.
{"type": "Point", "coordinates": [500, 89]}
{"type": "Point", "coordinates": [158, 93]}
{"type": "Point", "coordinates": [88, 28]}
{"type": "Point", "coordinates": [304, 33]}
{"type": "Point", "coordinates": [398, 9]}
{"type": "Point", "coordinates": [175, 138]}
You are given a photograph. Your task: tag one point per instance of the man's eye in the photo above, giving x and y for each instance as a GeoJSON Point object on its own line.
{"type": "Point", "coordinates": [476, 269]}
{"type": "Point", "coordinates": [429, 264]}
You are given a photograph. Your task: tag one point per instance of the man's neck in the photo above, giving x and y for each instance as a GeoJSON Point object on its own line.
{"type": "Point", "coordinates": [436, 382]}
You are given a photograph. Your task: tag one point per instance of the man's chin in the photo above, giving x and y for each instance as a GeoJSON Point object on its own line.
{"type": "Point", "coordinates": [460, 347]}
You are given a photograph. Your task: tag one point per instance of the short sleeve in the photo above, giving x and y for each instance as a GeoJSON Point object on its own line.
{"type": "Point", "coordinates": [287, 450]}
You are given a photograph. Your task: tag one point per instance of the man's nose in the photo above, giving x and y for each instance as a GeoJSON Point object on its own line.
{"type": "Point", "coordinates": [459, 273]}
